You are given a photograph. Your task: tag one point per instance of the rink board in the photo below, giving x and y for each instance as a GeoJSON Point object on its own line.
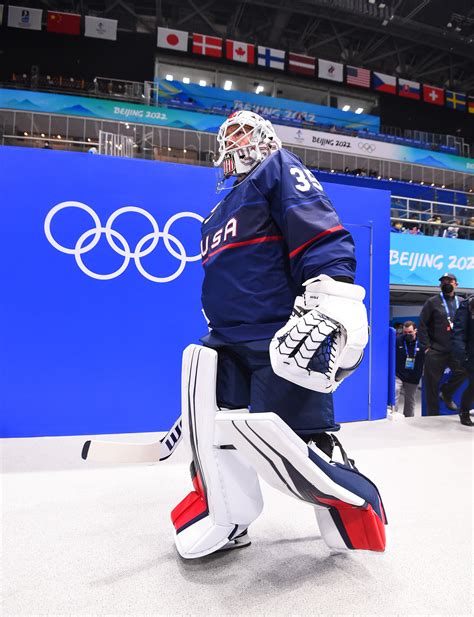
{"type": "Point", "coordinates": [86, 355]}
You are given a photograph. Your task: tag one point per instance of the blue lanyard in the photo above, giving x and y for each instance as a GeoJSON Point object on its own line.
{"type": "Point", "coordinates": [406, 348]}
{"type": "Point", "coordinates": [446, 308]}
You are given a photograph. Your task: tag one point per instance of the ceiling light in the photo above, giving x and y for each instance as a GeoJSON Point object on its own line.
{"type": "Point", "coordinates": [169, 77]}
{"type": "Point", "coordinates": [359, 110]}
{"type": "Point", "coordinates": [202, 82]}
{"type": "Point", "coordinates": [186, 80]}
{"type": "Point", "coordinates": [227, 84]}
{"type": "Point", "coordinates": [346, 108]}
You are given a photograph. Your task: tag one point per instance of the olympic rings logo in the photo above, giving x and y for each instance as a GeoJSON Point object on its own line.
{"type": "Point", "coordinates": [367, 147]}
{"type": "Point", "coordinates": [171, 242]}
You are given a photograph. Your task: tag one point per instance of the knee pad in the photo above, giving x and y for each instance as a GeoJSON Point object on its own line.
{"type": "Point", "coordinates": [226, 496]}
{"type": "Point", "coordinates": [348, 506]}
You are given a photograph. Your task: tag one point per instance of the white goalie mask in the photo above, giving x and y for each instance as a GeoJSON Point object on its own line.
{"type": "Point", "coordinates": [244, 140]}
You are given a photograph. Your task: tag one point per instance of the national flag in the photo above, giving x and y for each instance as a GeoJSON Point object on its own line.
{"type": "Point", "coordinates": [433, 95]}
{"type": "Point", "coordinates": [455, 100]}
{"type": "Point", "coordinates": [470, 106]}
{"type": "Point", "coordinates": [298, 63]}
{"type": "Point", "coordinates": [240, 52]}
{"type": "Point", "coordinates": [1, 14]}
{"type": "Point", "coordinates": [409, 89]}
{"type": "Point", "coordinates": [100, 28]}
{"type": "Point", "coordinates": [64, 23]}
{"type": "Point", "coordinates": [172, 39]}
{"type": "Point", "coordinates": [358, 77]}
{"type": "Point", "coordinates": [271, 58]}
{"type": "Point", "coordinates": [384, 83]}
{"type": "Point", "coordinates": [24, 17]}
{"type": "Point", "coordinates": [207, 45]}
{"type": "Point", "coordinates": [330, 70]}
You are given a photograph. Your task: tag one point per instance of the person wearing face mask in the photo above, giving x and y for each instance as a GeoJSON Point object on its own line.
{"type": "Point", "coordinates": [435, 335]}
{"type": "Point", "coordinates": [463, 349]}
{"type": "Point", "coordinates": [408, 367]}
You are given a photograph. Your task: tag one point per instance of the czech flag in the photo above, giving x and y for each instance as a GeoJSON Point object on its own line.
{"type": "Point", "coordinates": [384, 83]}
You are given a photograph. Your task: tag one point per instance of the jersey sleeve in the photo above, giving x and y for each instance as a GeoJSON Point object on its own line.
{"type": "Point", "coordinates": [317, 241]}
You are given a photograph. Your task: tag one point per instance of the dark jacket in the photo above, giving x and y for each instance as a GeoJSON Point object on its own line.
{"type": "Point", "coordinates": [434, 330]}
{"type": "Point", "coordinates": [405, 374]}
{"type": "Point", "coordinates": [463, 334]}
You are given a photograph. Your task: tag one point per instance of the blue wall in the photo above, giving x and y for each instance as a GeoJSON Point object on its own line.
{"type": "Point", "coordinates": [86, 356]}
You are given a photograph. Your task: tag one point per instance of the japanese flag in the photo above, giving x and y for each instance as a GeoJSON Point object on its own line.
{"type": "Point", "coordinates": [240, 52]}
{"type": "Point", "coordinates": [172, 39]}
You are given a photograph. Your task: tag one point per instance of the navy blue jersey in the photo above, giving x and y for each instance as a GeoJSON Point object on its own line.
{"type": "Point", "coordinates": [270, 234]}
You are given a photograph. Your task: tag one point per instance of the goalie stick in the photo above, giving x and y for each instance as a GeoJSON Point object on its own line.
{"type": "Point", "coordinates": [123, 452]}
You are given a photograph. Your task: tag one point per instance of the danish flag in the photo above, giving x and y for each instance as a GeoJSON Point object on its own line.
{"type": "Point", "coordinates": [207, 45]}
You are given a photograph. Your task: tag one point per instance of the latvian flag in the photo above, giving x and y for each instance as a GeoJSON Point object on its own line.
{"type": "Point", "coordinates": [409, 89]}
{"type": "Point", "coordinates": [433, 95]}
{"type": "Point", "coordinates": [358, 77]}
{"type": "Point", "coordinates": [240, 52]}
{"type": "Point", "coordinates": [207, 45]}
{"type": "Point", "coordinates": [384, 83]}
{"type": "Point", "coordinates": [271, 58]}
{"type": "Point", "coordinates": [301, 64]}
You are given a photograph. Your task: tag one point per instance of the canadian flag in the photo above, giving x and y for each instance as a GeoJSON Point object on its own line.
{"type": "Point", "coordinates": [207, 45]}
{"type": "Point", "coordinates": [172, 39]}
{"type": "Point", "coordinates": [240, 52]}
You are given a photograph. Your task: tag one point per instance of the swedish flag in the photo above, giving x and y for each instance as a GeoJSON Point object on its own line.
{"type": "Point", "coordinates": [455, 100]}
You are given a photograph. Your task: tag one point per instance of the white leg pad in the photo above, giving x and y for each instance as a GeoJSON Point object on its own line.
{"type": "Point", "coordinates": [349, 510]}
{"type": "Point", "coordinates": [227, 496]}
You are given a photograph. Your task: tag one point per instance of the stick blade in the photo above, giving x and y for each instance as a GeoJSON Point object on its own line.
{"type": "Point", "coordinates": [120, 452]}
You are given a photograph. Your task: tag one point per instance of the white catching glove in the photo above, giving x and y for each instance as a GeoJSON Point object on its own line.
{"type": "Point", "coordinates": [324, 339]}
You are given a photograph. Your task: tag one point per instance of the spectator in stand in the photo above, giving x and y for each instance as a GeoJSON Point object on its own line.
{"type": "Point", "coordinates": [408, 367]}
{"type": "Point", "coordinates": [397, 228]}
{"type": "Point", "coordinates": [46, 145]}
{"type": "Point", "coordinates": [435, 336]}
{"type": "Point", "coordinates": [433, 226]}
{"type": "Point", "coordinates": [463, 350]}
{"type": "Point", "coordinates": [415, 230]}
{"type": "Point", "coordinates": [453, 229]}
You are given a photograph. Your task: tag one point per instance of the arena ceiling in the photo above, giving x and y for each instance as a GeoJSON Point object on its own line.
{"type": "Point", "coordinates": [431, 41]}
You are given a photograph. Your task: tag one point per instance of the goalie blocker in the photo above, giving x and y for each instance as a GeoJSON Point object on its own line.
{"type": "Point", "coordinates": [229, 449]}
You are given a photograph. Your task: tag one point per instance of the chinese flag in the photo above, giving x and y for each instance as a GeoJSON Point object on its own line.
{"type": "Point", "coordinates": [65, 23]}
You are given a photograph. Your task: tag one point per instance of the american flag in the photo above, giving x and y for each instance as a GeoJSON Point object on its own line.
{"type": "Point", "coordinates": [358, 77]}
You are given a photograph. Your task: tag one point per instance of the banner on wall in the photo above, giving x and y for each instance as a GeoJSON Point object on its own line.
{"type": "Point", "coordinates": [100, 109]}
{"type": "Point", "coordinates": [370, 148]}
{"type": "Point", "coordinates": [209, 98]}
{"type": "Point", "coordinates": [421, 260]}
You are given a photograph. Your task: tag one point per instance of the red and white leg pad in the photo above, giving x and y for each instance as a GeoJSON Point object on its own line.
{"type": "Point", "coordinates": [226, 496]}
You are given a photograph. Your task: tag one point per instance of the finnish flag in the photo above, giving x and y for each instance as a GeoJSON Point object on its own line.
{"type": "Point", "coordinates": [271, 58]}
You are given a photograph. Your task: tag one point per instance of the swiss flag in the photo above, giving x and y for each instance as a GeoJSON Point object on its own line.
{"type": "Point", "coordinates": [172, 39]}
{"type": "Point", "coordinates": [64, 23]}
{"type": "Point", "coordinates": [240, 52]}
{"type": "Point", "coordinates": [207, 45]}
{"type": "Point", "coordinates": [433, 95]}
